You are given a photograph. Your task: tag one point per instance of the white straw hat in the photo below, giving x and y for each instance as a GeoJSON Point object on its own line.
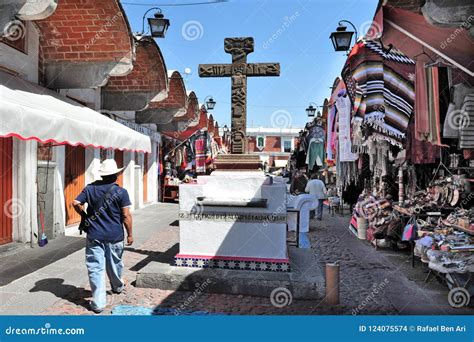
{"type": "Point", "coordinates": [109, 167]}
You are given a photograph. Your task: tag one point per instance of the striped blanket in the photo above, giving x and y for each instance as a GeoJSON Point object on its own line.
{"type": "Point", "coordinates": [467, 123]}
{"type": "Point", "coordinates": [381, 88]}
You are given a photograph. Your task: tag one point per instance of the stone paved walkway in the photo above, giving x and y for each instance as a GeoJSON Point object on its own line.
{"type": "Point", "coordinates": [372, 282]}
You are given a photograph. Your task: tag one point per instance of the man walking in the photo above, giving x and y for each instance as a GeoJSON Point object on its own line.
{"type": "Point", "coordinates": [108, 211]}
{"type": "Point", "coordinates": [317, 188]}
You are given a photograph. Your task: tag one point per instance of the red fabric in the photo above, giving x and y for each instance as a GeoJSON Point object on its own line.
{"type": "Point", "coordinates": [420, 152]}
{"type": "Point", "coordinates": [200, 146]}
{"type": "Point", "coordinates": [468, 154]}
{"type": "Point", "coordinates": [422, 126]}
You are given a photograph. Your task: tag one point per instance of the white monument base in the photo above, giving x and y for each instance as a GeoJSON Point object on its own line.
{"type": "Point", "coordinates": [233, 220]}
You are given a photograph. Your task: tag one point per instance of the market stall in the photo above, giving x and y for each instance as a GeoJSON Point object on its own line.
{"type": "Point", "coordinates": [400, 132]}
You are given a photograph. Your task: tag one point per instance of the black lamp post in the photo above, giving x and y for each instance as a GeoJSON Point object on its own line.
{"type": "Point", "coordinates": [311, 110]}
{"type": "Point", "coordinates": [158, 24]}
{"type": "Point", "coordinates": [225, 131]}
{"type": "Point", "coordinates": [341, 39]}
{"type": "Point", "coordinates": [210, 103]}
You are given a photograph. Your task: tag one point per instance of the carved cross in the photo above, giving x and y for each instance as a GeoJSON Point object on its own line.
{"type": "Point", "coordinates": [239, 48]}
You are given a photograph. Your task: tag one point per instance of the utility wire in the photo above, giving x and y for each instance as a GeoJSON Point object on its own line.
{"type": "Point", "coordinates": [211, 2]}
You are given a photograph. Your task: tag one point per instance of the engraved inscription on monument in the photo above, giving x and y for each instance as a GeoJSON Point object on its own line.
{"type": "Point", "coordinates": [239, 48]}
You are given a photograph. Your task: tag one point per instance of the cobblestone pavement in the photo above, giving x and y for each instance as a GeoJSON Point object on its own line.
{"type": "Point", "coordinates": [372, 282]}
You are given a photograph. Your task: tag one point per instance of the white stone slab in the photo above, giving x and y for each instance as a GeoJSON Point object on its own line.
{"type": "Point", "coordinates": [251, 232]}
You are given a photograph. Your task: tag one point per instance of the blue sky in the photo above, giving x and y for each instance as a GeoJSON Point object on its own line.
{"type": "Point", "coordinates": [294, 33]}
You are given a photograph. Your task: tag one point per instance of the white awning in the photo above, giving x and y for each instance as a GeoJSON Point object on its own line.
{"type": "Point", "coordinates": [29, 111]}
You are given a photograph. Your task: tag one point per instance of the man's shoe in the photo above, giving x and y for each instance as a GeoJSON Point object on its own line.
{"type": "Point", "coordinates": [94, 308]}
{"type": "Point", "coordinates": [121, 289]}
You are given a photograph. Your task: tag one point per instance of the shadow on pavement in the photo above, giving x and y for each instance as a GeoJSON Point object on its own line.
{"type": "Point", "coordinates": [28, 260]}
{"type": "Point", "coordinates": [71, 293]}
{"type": "Point", "coordinates": [166, 257]}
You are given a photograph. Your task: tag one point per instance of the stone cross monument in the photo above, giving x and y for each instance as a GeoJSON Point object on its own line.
{"type": "Point", "coordinates": [239, 48]}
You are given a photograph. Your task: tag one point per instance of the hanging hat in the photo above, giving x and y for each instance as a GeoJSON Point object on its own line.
{"type": "Point", "coordinates": [109, 167]}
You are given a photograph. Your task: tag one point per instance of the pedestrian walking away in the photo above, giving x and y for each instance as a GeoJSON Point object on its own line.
{"type": "Point", "coordinates": [108, 211]}
{"type": "Point", "coordinates": [317, 188]}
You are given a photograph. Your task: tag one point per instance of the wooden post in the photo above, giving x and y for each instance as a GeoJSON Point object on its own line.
{"type": "Point", "coordinates": [332, 283]}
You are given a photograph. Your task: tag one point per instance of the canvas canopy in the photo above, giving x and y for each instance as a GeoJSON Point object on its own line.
{"type": "Point", "coordinates": [29, 111]}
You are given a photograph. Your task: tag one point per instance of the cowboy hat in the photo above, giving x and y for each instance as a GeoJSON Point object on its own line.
{"type": "Point", "coordinates": [109, 167]}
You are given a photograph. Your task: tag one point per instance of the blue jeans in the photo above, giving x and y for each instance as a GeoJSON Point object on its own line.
{"type": "Point", "coordinates": [319, 209]}
{"type": "Point", "coordinates": [104, 256]}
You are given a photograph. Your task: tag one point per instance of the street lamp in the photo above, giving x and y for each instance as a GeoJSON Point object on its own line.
{"type": "Point", "coordinates": [341, 39]}
{"type": "Point", "coordinates": [225, 130]}
{"type": "Point", "coordinates": [158, 24]}
{"type": "Point", "coordinates": [225, 135]}
{"type": "Point", "coordinates": [210, 104]}
{"type": "Point", "coordinates": [311, 110]}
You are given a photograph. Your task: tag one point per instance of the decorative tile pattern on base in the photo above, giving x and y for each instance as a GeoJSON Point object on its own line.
{"type": "Point", "coordinates": [248, 265]}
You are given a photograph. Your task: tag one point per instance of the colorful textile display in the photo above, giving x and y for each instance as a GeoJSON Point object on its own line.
{"type": "Point", "coordinates": [343, 105]}
{"type": "Point", "coordinates": [385, 80]}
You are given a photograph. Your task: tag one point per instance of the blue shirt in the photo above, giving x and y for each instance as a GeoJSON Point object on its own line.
{"type": "Point", "coordinates": [104, 214]}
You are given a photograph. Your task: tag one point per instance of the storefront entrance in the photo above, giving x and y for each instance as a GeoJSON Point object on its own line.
{"type": "Point", "coordinates": [118, 156]}
{"type": "Point", "coordinates": [74, 180]}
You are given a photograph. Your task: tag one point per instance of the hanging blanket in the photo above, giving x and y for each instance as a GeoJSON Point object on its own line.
{"type": "Point", "coordinates": [330, 132]}
{"type": "Point", "coordinates": [200, 148]}
{"type": "Point", "coordinates": [343, 105]}
{"type": "Point", "coordinates": [380, 85]}
{"type": "Point", "coordinates": [467, 123]}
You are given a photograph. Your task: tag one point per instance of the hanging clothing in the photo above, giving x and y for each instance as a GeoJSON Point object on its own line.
{"type": "Point", "coordinates": [315, 154]}
{"type": "Point", "coordinates": [343, 104]}
{"type": "Point", "coordinates": [315, 132]}
{"type": "Point", "coordinates": [433, 104]}
{"type": "Point", "coordinates": [184, 159]}
{"type": "Point", "coordinates": [386, 81]}
{"type": "Point", "coordinates": [200, 148]}
{"type": "Point", "coordinates": [330, 132]}
{"type": "Point", "coordinates": [422, 127]}
{"type": "Point", "coordinates": [466, 132]}
{"type": "Point", "coordinates": [420, 152]}
{"type": "Point", "coordinates": [454, 114]}
{"type": "Point", "coordinates": [300, 159]}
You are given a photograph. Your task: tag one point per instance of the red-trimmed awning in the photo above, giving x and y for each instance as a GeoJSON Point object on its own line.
{"type": "Point", "coordinates": [31, 112]}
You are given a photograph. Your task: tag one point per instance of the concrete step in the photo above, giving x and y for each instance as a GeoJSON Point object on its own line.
{"type": "Point", "coordinates": [305, 281]}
